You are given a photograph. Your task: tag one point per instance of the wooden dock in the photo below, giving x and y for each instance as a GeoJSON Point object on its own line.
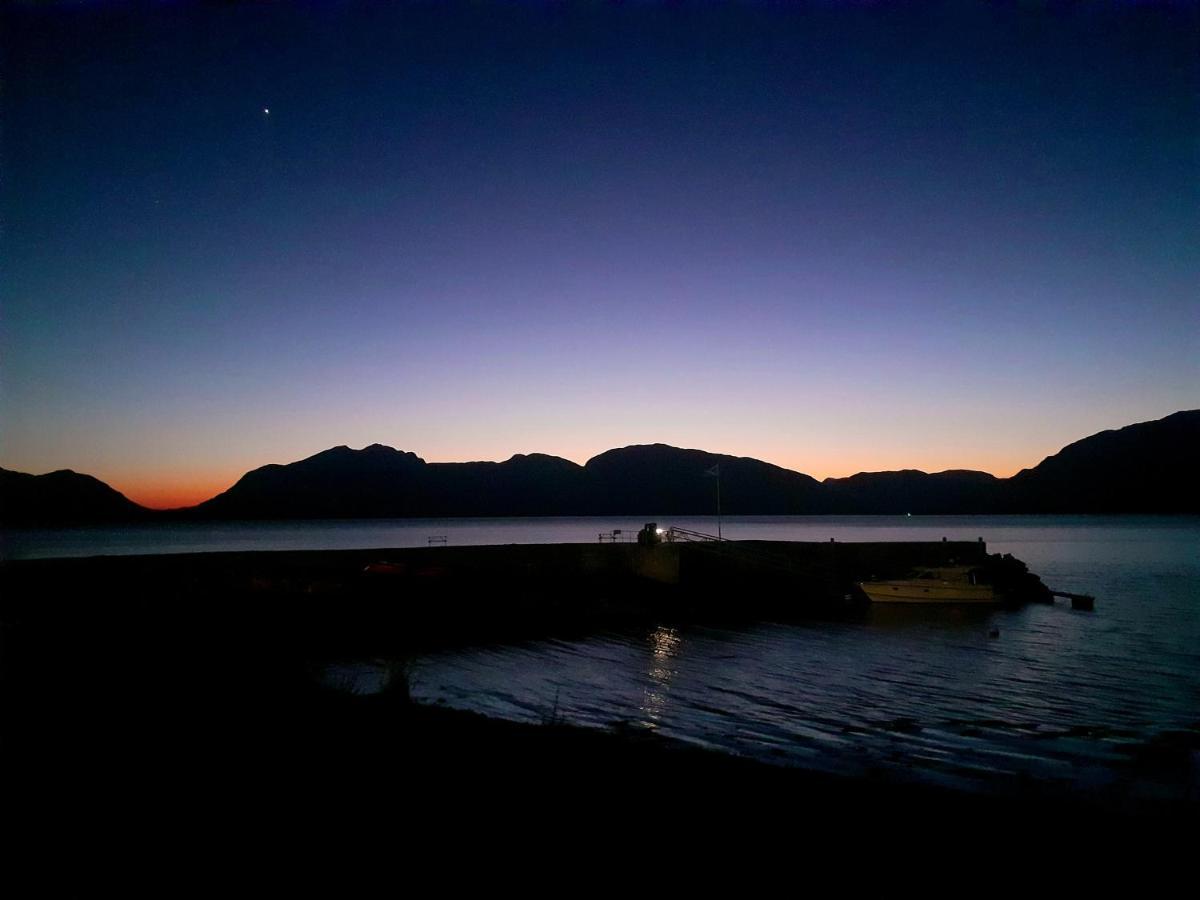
{"type": "Point", "coordinates": [1085, 602]}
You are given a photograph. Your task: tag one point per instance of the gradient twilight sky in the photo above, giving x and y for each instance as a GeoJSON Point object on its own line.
{"type": "Point", "coordinates": [835, 237]}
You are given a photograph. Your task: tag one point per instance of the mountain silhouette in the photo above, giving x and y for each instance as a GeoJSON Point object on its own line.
{"type": "Point", "coordinates": [656, 478]}
{"type": "Point", "coordinates": [1148, 467]}
{"type": "Point", "coordinates": [955, 492]}
{"type": "Point", "coordinates": [62, 498]}
{"type": "Point", "coordinates": [372, 482]}
{"type": "Point", "coordinates": [380, 481]}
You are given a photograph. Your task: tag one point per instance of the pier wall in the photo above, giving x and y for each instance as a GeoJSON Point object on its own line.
{"type": "Point", "coordinates": [454, 594]}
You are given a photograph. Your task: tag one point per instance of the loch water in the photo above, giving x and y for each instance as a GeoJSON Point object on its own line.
{"type": "Point", "coordinates": [1094, 701]}
{"type": "Point", "coordinates": [979, 699]}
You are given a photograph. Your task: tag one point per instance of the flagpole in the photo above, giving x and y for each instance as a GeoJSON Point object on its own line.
{"type": "Point", "coordinates": [716, 472]}
{"type": "Point", "coordinates": [719, 503]}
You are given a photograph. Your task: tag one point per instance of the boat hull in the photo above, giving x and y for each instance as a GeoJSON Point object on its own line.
{"type": "Point", "coordinates": [918, 592]}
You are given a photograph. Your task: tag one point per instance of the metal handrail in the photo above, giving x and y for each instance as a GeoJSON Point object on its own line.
{"type": "Point", "coordinates": [735, 550]}
{"type": "Point", "coordinates": [675, 532]}
{"type": "Point", "coordinates": [618, 536]}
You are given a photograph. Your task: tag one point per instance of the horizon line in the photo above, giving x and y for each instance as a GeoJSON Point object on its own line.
{"type": "Point", "coordinates": [115, 482]}
{"type": "Point", "coordinates": [209, 490]}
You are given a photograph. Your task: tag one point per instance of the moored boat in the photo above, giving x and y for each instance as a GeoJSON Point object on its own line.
{"type": "Point", "coordinates": [959, 584]}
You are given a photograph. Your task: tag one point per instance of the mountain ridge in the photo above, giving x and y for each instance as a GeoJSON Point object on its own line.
{"type": "Point", "coordinates": [1144, 467]}
{"type": "Point", "coordinates": [63, 497]}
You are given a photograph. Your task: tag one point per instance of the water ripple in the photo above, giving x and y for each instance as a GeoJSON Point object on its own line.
{"type": "Point", "coordinates": [1059, 695]}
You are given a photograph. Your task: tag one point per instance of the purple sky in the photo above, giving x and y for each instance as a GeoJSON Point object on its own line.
{"type": "Point", "coordinates": [837, 238]}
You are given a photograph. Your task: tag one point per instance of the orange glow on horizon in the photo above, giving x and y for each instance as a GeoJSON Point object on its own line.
{"type": "Point", "coordinates": [172, 494]}
{"type": "Point", "coordinates": [162, 491]}
{"type": "Point", "coordinates": [844, 468]}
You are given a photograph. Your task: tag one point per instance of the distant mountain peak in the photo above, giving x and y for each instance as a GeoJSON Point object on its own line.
{"type": "Point", "coordinates": [541, 459]}
{"type": "Point", "coordinates": [62, 497]}
{"type": "Point", "coordinates": [370, 451]}
{"type": "Point", "coordinates": [1145, 467]}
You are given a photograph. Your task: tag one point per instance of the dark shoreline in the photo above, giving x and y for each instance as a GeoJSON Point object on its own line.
{"type": "Point", "coordinates": [170, 684]}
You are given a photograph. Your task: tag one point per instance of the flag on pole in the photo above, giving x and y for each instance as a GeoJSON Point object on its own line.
{"type": "Point", "coordinates": [716, 472]}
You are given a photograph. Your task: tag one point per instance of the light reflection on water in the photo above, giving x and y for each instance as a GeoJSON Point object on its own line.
{"type": "Point", "coordinates": [1057, 694]}
{"type": "Point", "coordinates": [665, 644]}
{"type": "Point", "coordinates": [970, 697]}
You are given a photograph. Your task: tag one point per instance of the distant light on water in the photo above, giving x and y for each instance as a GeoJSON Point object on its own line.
{"type": "Point", "coordinates": [664, 644]}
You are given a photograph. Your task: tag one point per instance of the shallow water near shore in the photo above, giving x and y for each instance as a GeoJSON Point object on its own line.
{"type": "Point", "coordinates": [1107, 701]}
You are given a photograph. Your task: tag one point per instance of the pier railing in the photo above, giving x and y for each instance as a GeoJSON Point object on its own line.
{"type": "Point", "coordinates": [735, 550]}
{"type": "Point", "coordinates": [619, 536]}
{"type": "Point", "coordinates": [675, 533]}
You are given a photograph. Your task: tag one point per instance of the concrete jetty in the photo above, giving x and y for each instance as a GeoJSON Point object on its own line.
{"type": "Point", "coordinates": [356, 599]}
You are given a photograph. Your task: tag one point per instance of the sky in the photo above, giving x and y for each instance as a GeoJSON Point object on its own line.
{"type": "Point", "coordinates": [836, 237]}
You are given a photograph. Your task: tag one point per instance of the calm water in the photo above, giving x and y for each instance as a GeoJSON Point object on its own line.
{"type": "Point", "coordinates": [1060, 696]}
{"type": "Point", "coordinates": [928, 694]}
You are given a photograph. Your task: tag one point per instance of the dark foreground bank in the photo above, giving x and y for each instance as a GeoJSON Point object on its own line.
{"type": "Point", "coordinates": [177, 698]}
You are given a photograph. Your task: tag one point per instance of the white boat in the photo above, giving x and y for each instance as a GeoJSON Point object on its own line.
{"type": "Point", "coordinates": [960, 584]}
